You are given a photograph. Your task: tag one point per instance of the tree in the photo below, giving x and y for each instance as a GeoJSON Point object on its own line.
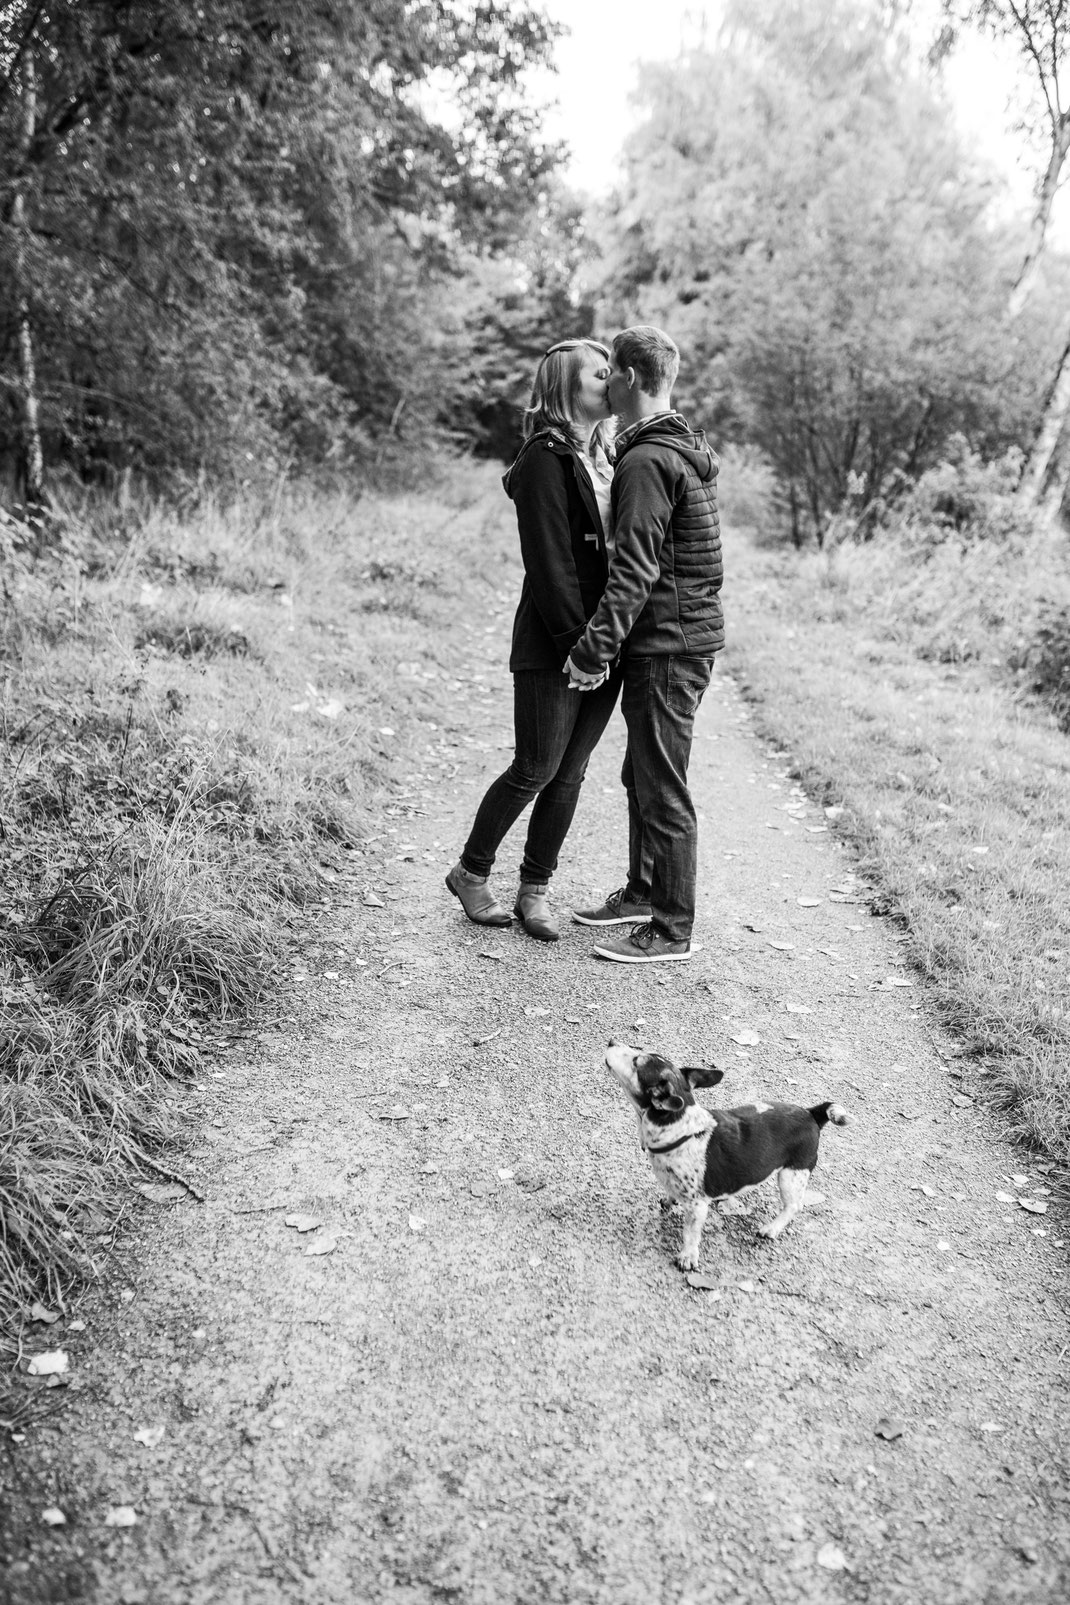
{"type": "Point", "coordinates": [1040, 29]}
{"type": "Point", "coordinates": [798, 210]}
{"type": "Point", "coordinates": [231, 222]}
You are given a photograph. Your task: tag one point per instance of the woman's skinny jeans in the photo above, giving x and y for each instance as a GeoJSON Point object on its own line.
{"type": "Point", "coordinates": [556, 732]}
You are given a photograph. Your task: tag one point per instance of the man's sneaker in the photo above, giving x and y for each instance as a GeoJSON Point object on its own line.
{"type": "Point", "coordinates": [644, 944]}
{"type": "Point", "coordinates": [616, 910]}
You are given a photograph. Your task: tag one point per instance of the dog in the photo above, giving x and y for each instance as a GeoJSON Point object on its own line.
{"type": "Point", "coordinates": [701, 1156]}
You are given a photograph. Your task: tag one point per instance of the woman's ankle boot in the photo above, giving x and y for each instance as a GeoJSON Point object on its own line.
{"type": "Point", "coordinates": [476, 897]}
{"type": "Point", "coordinates": [533, 911]}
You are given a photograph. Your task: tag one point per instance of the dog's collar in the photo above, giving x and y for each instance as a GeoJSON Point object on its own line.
{"type": "Point", "coordinates": [669, 1146]}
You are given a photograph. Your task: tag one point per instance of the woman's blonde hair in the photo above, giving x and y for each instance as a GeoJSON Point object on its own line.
{"type": "Point", "coordinates": [555, 391]}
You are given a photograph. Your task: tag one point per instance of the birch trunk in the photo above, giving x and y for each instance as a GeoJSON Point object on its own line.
{"type": "Point", "coordinates": [1038, 228]}
{"type": "Point", "coordinates": [33, 462]}
{"type": "Point", "coordinates": [1035, 473]}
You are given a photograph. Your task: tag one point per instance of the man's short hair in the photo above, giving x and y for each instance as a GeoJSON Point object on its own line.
{"type": "Point", "coordinates": [651, 353]}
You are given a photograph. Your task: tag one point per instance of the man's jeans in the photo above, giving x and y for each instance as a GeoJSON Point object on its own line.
{"type": "Point", "coordinates": [556, 732]}
{"type": "Point", "coordinates": [660, 700]}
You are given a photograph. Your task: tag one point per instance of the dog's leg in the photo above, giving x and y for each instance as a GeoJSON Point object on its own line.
{"type": "Point", "coordinates": [694, 1220]}
{"type": "Point", "coordinates": [792, 1185]}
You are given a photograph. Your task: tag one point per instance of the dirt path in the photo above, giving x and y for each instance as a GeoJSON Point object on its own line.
{"type": "Point", "coordinates": [497, 1388]}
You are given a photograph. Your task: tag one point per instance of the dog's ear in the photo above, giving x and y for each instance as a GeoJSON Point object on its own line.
{"type": "Point", "coordinates": [703, 1075]}
{"type": "Point", "coordinates": [664, 1096]}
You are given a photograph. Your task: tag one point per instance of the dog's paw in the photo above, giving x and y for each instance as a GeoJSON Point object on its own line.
{"type": "Point", "coordinates": [687, 1262]}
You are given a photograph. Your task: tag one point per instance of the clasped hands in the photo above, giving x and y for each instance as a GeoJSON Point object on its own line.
{"type": "Point", "coordinates": [580, 680]}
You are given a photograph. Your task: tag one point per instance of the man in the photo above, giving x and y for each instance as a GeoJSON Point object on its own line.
{"type": "Point", "coordinates": [661, 608]}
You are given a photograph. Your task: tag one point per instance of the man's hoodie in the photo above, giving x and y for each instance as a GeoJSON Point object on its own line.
{"type": "Point", "coordinates": [662, 596]}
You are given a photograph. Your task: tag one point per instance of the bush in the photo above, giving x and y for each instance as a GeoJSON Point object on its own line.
{"type": "Point", "coordinates": [1046, 661]}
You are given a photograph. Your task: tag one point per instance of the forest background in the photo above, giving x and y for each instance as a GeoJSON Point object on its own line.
{"type": "Point", "coordinates": [261, 265]}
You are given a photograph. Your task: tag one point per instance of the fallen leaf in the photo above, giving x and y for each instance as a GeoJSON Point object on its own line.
{"type": "Point", "coordinates": [990, 1426]}
{"type": "Point", "coordinates": [1020, 1181]}
{"type": "Point", "coordinates": [326, 1243]}
{"type": "Point", "coordinates": [897, 980]}
{"type": "Point", "coordinates": [303, 1223]}
{"type": "Point", "coordinates": [52, 1363]}
{"type": "Point", "coordinates": [121, 1516]}
{"type": "Point", "coordinates": [416, 1223]}
{"type": "Point", "coordinates": [961, 1101]}
{"type": "Point", "coordinates": [149, 1436]}
{"type": "Point", "coordinates": [707, 1284]}
{"type": "Point", "coordinates": [746, 1287]}
{"type": "Point", "coordinates": [930, 1192]}
{"type": "Point", "coordinates": [748, 1039]}
{"type": "Point", "coordinates": [487, 953]}
{"type": "Point", "coordinates": [781, 947]}
{"type": "Point", "coordinates": [534, 1009]}
{"type": "Point", "coordinates": [1006, 1198]}
{"type": "Point", "coordinates": [53, 1517]}
{"type": "Point", "coordinates": [834, 811]}
{"type": "Point", "coordinates": [832, 1558]}
{"type": "Point", "coordinates": [161, 1192]}
{"type": "Point", "coordinates": [398, 1112]}
{"type": "Point", "coordinates": [889, 1430]}
{"type": "Point", "coordinates": [808, 902]}
{"type": "Point", "coordinates": [39, 1313]}
{"type": "Point", "coordinates": [370, 900]}
{"type": "Point", "coordinates": [1034, 1206]}
{"type": "Point", "coordinates": [798, 1008]}
{"type": "Point", "coordinates": [943, 1246]}
{"type": "Point", "coordinates": [911, 1114]}
{"type": "Point", "coordinates": [505, 1175]}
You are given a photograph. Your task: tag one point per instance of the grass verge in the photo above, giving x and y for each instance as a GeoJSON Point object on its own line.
{"type": "Point", "coordinates": [201, 722]}
{"type": "Point", "coordinates": [953, 785]}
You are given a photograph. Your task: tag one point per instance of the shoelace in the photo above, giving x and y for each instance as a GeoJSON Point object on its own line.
{"type": "Point", "coordinates": [642, 935]}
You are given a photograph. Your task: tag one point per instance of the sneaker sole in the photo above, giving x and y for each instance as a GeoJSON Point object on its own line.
{"type": "Point", "coordinates": [618, 919]}
{"type": "Point", "coordinates": [646, 958]}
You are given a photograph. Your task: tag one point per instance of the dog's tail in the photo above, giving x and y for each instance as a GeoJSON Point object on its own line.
{"type": "Point", "coordinates": [830, 1112]}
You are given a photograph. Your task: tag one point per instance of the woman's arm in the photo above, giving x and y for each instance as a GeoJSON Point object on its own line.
{"type": "Point", "coordinates": [541, 496]}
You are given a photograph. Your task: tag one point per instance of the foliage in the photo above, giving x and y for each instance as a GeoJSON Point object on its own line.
{"type": "Point", "coordinates": [800, 214]}
{"type": "Point", "coordinates": [238, 224]}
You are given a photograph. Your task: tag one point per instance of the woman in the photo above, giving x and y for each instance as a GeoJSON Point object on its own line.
{"type": "Point", "coordinates": [559, 485]}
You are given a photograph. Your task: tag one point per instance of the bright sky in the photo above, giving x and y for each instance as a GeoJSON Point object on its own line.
{"type": "Point", "coordinates": [597, 73]}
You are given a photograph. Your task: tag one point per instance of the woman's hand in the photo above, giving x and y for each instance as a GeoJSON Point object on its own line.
{"type": "Point", "coordinates": [579, 680]}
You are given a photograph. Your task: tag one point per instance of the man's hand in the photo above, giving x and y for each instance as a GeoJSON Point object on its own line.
{"type": "Point", "coordinates": [579, 680]}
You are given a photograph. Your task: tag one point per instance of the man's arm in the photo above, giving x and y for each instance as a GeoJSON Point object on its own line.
{"type": "Point", "coordinates": [645, 495]}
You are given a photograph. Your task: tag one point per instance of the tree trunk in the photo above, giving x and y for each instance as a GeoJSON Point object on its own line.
{"type": "Point", "coordinates": [1038, 228]}
{"type": "Point", "coordinates": [1058, 477]}
{"type": "Point", "coordinates": [1035, 472]}
{"type": "Point", "coordinates": [33, 462]}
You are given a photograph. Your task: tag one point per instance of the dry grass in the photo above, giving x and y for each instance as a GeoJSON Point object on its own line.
{"type": "Point", "coordinates": [889, 678]}
{"type": "Point", "coordinates": [192, 719]}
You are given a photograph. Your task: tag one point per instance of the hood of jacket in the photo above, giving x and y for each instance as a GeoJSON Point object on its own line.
{"type": "Point", "coordinates": [672, 429]}
{"type": "Point", "coordinates": [544, 437]}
